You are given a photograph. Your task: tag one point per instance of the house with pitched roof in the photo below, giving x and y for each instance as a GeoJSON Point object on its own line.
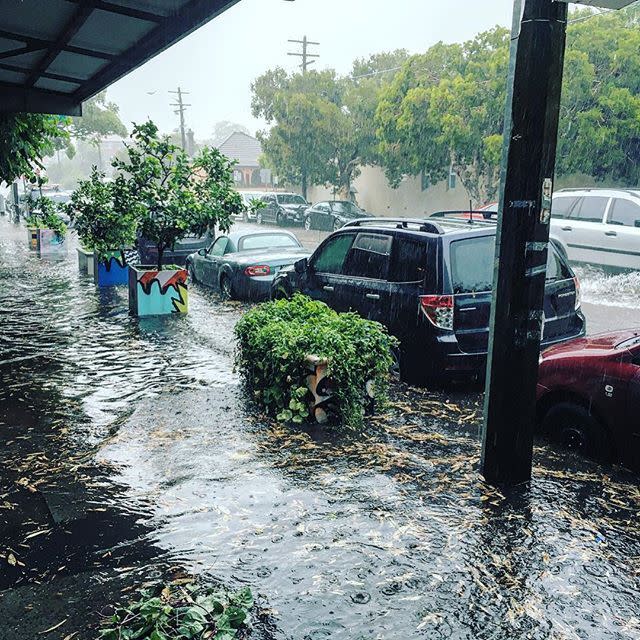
{"type": "Point", "coordinates": [246, 151]}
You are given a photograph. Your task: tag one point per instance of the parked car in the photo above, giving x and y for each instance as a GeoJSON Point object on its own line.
{"type": "Point", "coordinates": [429, 282]}
{"type": "Point", "coordinates": [331, 215]}
{"type": "Point", "coordinates": [282, 208]}
{"type": "Point", "coordinates": [598, 226]}
{"type": "Point", "coordinates": [248, 197]}
{"type": "Point", "coordinates": [148, 252]}
{"type": "Point", "coordinates": [244, 264]}
{"type": "Point", "coordinates": [589, 395]}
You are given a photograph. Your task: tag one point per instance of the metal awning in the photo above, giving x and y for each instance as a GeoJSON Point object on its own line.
{"type": "Point", "coordinates": [54, 54]}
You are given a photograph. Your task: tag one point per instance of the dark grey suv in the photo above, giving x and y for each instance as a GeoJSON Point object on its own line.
{"type": "Point", "coordinates": [430, 283]}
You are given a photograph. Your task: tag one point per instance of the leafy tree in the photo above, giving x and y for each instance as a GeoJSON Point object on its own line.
{"type": "Point", "coordinates": [171, 195]}
{"type": "Point", "coordinates": [99, 119]}
{"type": "Point", "coordinates": [444, 110]}
{"type": "Point", "coordinates": [600, 115]}
{"type": "Point", "coordinates": [43, 214]}
{"type": "Point", "coordinates": [103, 222]}
{"type": "Point", "coordinates": [25, 138]}
{"type": "Point", "coordinates": [223, 129]}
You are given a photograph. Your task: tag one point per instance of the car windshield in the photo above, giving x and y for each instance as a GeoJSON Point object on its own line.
{"type": "Point", "coordinates": [268, 241]}
{"type": "Point", "coordinates": [346, 207]}
{"type": "Point", "coordinates": [291, 198]}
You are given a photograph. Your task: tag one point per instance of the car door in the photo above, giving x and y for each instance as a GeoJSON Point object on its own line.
{"type": "Point", "coordinates": [320, 215]}
{"type": "Point", "coordinates": [621, 236]}
{"type": "Point", "coordinates": [325, 277]}
{"type": "Point", "coordinates": [213, 259]}
{"type": "Point", "coordinates": [366, 288]}
{"type": "Point", "coordinates": [584, 230]}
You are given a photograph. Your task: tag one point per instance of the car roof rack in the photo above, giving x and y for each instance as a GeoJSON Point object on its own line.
{"type": "Point", "coordinates": [466, 216]}
{"type": "Point", "coordinates": [633, 192]}
{"type": "Point", "coordinates": [419, 224]}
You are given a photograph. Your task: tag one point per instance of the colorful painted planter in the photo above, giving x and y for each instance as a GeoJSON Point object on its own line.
{"type": "Point", "coordinates": [47, 243]}
{"type": "Point", "coordinates": [153, 292]}
{"type": "Point", "coordinates": [85, 261]}
{"type": "Point", "coordinates": [32, 235]}
{"type": "Point", "coordinates": [111, 269]}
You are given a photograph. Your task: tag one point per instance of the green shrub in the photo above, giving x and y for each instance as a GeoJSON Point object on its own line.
{"type": "Point", "coordinates": [275, 337]}
{"type": "Point", "coordinates": [43, 214]}
{"type": "Point", "coordinates": [173, 612]}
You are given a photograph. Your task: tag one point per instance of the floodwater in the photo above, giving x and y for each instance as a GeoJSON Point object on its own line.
{"type": "Point", "coordinates": [388, 534]}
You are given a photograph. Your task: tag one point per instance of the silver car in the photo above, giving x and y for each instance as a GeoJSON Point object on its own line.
{"type": "Point", "coordinates": [598, 226]}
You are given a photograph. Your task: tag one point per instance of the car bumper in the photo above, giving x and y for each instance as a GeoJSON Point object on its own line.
{"type": "Point", "coordinates": [254, 289]}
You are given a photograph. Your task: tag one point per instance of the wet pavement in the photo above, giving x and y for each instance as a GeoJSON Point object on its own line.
{"type": "Point", "coordinates": [130, 452]}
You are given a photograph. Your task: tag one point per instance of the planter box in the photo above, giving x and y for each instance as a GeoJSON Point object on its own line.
{"type": "Point", "coordinates": [32, 235]}
{"type": "Point", "coordinates": [321, 388]}
{"type": "Point", "coordinates": [111, 270]}
{"type": "Point", "coordinates": [47, 243]}
{"type": "Point", "coordinates": [153, 292]}
{"type": "Point", "coordinates": [85, 261]}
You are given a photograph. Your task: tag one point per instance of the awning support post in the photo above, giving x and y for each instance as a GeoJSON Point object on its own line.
{"type": "Point", "coordinates": [531, 129]}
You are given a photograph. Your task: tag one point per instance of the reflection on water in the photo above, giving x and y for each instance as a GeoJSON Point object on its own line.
{"type": "Point", "coordinates": [387, 534]}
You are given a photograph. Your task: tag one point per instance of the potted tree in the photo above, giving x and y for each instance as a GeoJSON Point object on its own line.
{"type": "Point", "coordinates": [46, 228]}
{"type": "Point", "coordinates": [105, 228]}
{"type": "Point", "coordinates": [172, 196]}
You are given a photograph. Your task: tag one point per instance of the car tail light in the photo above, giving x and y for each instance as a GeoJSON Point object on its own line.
{"type": "Point", "coordinates": [258, 270]}
{"type": "Point", "coordinates": [439, 310]}
{"type": "Point", "coordinates": [576, 282]}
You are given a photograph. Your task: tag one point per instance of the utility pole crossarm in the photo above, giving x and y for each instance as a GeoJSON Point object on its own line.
{"type": "Point", "coordinates": [305, 55]}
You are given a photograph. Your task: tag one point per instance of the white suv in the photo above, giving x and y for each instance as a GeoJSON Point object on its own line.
{"type": "Point", "coordinates": [598, 226]}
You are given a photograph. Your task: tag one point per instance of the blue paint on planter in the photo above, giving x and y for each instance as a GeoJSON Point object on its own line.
{"type": "Point", "coordinates": [111, 270]}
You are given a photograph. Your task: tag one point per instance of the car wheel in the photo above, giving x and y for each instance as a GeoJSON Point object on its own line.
{"type": "Point", "coordinates": [259, 217]}
{"type": "Point", "coordinates": [226, 289]}
{"type": "Point", "coordinates": [192, 273]}
{"type": "Point", "coordinates": [572, 426]}
{"type": "Point", "coordinates": [337, 224]}
{"type": "Point", "coordinates": [279, 219]}
{"type": "Point", "coordinates": [307, 223]}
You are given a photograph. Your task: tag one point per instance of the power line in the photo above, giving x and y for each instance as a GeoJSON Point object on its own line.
{"type": "Point", "coordinates": [181, 107]}
{"type": "Point", "coordinates": [305, 55]}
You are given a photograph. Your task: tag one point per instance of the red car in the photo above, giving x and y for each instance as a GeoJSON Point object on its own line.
{"type": "Point", "coordinates": [589, 395]}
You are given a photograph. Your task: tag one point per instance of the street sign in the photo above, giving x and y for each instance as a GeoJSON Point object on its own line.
{"type": "Point", "coordinates": [605, 4]}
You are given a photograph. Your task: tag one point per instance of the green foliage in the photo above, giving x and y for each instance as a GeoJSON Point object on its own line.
{"type": "Point", "coordinates": [43, 214]}
{"type": "Point", "coordinates": [445, 109]}
{"type": "Point", "coordinates": [275, 337]}
{"type": "Point", "coordinates": [99, 119]}
{"type": "Point", "coordinates": [180, 612]}
{"type": "Point", "coordinates": [26, 138]}
{"type": "Point", "coordinates": [323, 126]}
{"type": "Point", "coordinates": [170, 195]}
{"type": "Point", "coordinates": [103, 223]}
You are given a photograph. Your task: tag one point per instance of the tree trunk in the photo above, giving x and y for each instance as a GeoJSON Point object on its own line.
{"type": "Point", "coordinates": [160, 254]}
{"type": "Point", "coordinates": [304, 184]}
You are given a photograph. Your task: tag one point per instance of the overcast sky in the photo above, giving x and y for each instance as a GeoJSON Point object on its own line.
{"type": "Point", "coordinates": [217, 63]}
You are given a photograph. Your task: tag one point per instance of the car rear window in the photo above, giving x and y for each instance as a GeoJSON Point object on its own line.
{"type": "Point", "coordinates": [267, 241]}
{"type": "Point", "coordinates": [472, 264]}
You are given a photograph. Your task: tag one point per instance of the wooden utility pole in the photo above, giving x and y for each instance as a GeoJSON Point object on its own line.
{"type": "Point", "coordinates": [181, 107]}
{"type": "Point", "coordinates": [305, 55]}
{"type": "Point", "coordinates": [531, 130]}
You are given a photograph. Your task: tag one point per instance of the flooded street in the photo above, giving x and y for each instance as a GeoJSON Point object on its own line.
{"type": "Point", "coordinates": [388, 534]}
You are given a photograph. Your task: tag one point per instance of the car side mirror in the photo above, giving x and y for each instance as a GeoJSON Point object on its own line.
{"type": "Point", "coordinates": [301, 265]}
{"type": "Point", "coordinates": [202, 252]}
{"type": "Point", "coordinates": [637, 223]}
